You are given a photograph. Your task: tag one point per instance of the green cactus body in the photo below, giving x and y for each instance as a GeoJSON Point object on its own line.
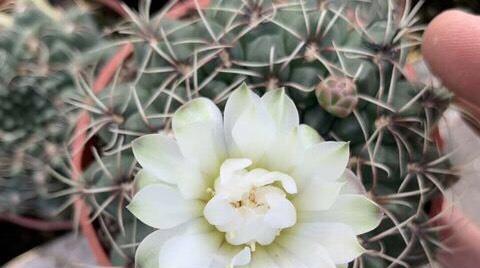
{"type": "Point", "coordinates": [351, 53]}
{"type": "Point", "coordinates": [38, 55]}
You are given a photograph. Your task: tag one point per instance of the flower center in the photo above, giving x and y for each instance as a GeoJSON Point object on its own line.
{"type": "Point", "coordinates": [251, 206]}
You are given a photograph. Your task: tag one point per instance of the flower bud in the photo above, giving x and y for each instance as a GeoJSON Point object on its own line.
{"type": "Point", "coordinates": [337, 95]}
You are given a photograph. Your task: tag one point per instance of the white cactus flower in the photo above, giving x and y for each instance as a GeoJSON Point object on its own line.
{"type": "Point", "coordinates": [254, 189]}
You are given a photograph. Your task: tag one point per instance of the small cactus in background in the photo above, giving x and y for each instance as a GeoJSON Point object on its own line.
{"type": "Point", "coordinates": [39, 49]}
{"type": "Point", "coordinates": [342, 62]}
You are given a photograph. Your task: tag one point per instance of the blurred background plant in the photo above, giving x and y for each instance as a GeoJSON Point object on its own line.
{"type": "Point", "coordinates": [40, 49]}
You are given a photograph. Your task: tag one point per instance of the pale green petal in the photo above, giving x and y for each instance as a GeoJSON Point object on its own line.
{"type": "Point", "coordinates": [225, 254]}
{"type": "Point", "coordinates": [190, 250]}
{"type": "Point", "coordinates": [310, 252]}
{"type": "Point", "coordinates": [194, 188]}
{"type": "Point", "coordinates": [281, 154]}
{"type": "Point", "coordinates": [317, 195]}
{"type": "Point", "coordinates": [241, 99]}
{"type": "Point", "coordinates": [353, 184]}
{"type": "Point", "coordinates": [282, 109]}
{"type": "Point", "coordinates": [338, 239]}
{"type": "Point", "coordinates": [157, 154]}
{"type": "Point", "coordinates": [288, 148]}
{"type": "Point", "coordinates": [242, 258]}
{"type": "Point", "coordinates": [323, 161]}
{"type": "Point", "coordinates": [283, 258]}
{"type": "Point", "coordinates": [261, 259]}
{"type": "Point", "coordinates": [144, 179]}
{"type": "Point", "coordinates": [356, 211]}
{"type": "Point", "coordinates": [148, 251]}
{"type": "Point", "coordinates": [199, 226]}
{"type": "Point", "coordinates": [307, 136]}
{"type": "Point", "coordinates": [254, 131]}
{"type": "Point", "coordinates": [160, 156]}
{"type": "Point", "coordinates": [249, 128]}
{"type": "Point", "coordinates": [198, 128]}
{"type": "Point", "coordinates": [163, 207]}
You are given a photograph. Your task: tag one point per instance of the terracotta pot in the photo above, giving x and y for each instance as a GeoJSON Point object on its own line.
{"type": "Point", "coordinates": [36, 224]}
{"type": "Point", "coordinates": [106, 74]}
{"type": "Point", "coordinates": [81, 208]}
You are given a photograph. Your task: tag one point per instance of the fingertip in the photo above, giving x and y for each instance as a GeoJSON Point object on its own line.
{"type": "Point", "coordinates": [442, 31]}
{"type": "Point", "coordinates": [452, 50]}
{"type": "Point", "coordinates": [435, 29]}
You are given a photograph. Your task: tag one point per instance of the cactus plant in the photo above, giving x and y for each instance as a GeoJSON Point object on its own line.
{"type": "Point", "coordinates": [39, 49]}
{"type": "Point", "coordinates": [342, 62]}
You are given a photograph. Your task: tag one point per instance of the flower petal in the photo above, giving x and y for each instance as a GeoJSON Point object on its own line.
{"type": "Point", "coordinates": [157, 154]}
{"type": "Point", "coordinates": [356, 211]}
{"type": "Point", "coordinates": [283, 258]}
{"type": "Point", "coordinates": [318, 195]}
{"type": "Point", "coordinates": [223, 257]}
{"type": "Point", "coordinates": [249, 128]}
{"type": "Point", "coordinates": [231, 167]}
{"type": "Point", "coordinates": [282, 213]}
{"type": "Point", "coordinates": [231, 256]}
{"type": "Point", "coordinates": [338, 239]}
{"type": "Point", "coordinates": [252, 228]}
{"type": "Point", "coordinates": [254, 131]}
{"type": "Point", "coordinates": [198, 128]}
{"type": "Point", "coordinates": [322, 161]}
{"type": "Point", "coordinates": [307, 136]}
{"type": "Point", "coordinates": [287, 182]}
{"type": "Point", "coordinates": [288, 148]}
{"type": "Point", "coordinates": [281, 154]}
{"type": "Point", "coordinates": [261, 259]}
{"type": "Point", "coordinates": [353, 184]}
{"type": "Point", "coordinates": [190, 250]}
{"type": "Point", "coordinates": [148, 251]}
{"type": "Point", "coordinates": [282, 109]}
{"type": "Point", "coordinates": [311, 253]}
{"type": "Point", "coordinates": [219, 211]}
{"type": "Point", "coordinates": [161, 157]}
{"type": "Point", "coordinates": [163, 207]}
{"type": "Point", "coordinates": [241, 99]}
{"type": "Point", "coordinates": [144, 179]}
{"type": "Point", "coordinates": [242, 258]}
